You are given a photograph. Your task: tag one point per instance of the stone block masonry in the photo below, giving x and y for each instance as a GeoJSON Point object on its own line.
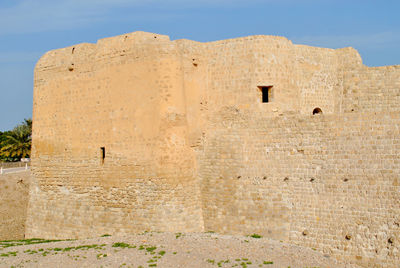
{"type": "Point", "coordinates": [138, 133]}
{"type": "Point", "coordinates": [14, 196]}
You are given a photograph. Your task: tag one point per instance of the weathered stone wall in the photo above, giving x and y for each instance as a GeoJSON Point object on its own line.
{"type": "Point", "coordinates": [190, 146]}
{"type": "Point", "coordinates": [132, 104]}
{"type": "Point", "coordinates": [310, 180]}
{"type": "Point", "coordinates": [371, 89]}
{"type": "Point", "coordinates": [14, 196]}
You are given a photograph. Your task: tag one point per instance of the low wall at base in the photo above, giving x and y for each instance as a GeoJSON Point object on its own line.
{"type": "Point", "coordinates": [14, 190]}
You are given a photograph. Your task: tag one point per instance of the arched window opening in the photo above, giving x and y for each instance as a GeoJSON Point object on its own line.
{"type": "Point", "coordinates": [317, 111]}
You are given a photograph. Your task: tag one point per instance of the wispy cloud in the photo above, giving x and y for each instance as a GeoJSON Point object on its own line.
{"type": "Point", "coordinates": [19, 57]}
{"type": "Point", "coordinates": [368, 41]}
{"type": "Point", "coordinates": [30, 16]}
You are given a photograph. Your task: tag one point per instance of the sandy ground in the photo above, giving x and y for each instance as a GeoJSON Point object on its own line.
{"type": "Point", "coordinates": [164, 250]}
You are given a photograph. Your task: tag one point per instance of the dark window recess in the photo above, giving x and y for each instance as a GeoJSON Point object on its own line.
{"type": "Point", "coordinates": [103, 154]}
{"type": "Point", "coordinates": [266, 92]}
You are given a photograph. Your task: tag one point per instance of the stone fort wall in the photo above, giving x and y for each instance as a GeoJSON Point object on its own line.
{"type": "Point", "coordinates": [189, 145]}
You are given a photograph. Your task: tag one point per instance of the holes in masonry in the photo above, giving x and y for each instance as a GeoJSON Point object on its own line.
{"type": "Point", "coordinates": [348, 237]}
{"type": "Point", "coordinates": [317, 110]}
{"type": "Point", "coordinates": [390, 240]}
{"type": "Point", "coordinates": [102, 154]}
{"type": "Point", "coordinates": [305, 232]}
{"type": "Point", "coordinates": [266, 93]}
{"type": "Point", "coordinates": [73, 50]}
{"type": "Point", "coordinates": [155, 36]}
{"type": "Point", "coordinates": [194, 62]}
{"type": "Point", "coordinates": [286, 179]}
{"type": "Point", "coordinates": [312, 179]}
{"type": "Point", "coordinates": [345, 179]}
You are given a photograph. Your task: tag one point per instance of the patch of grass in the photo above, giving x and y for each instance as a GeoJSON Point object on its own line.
{"type": "Point", "coordinates": [153, 265]}
{"type": "Point", "coordinates": [174, 252]}
{"type": "Point", "coordinates": [255, 236]}
{"type": "Point", "coordinates": [23, 242]}
{"type": "Point", "coordinates": [177, 235]}
{"type": "Point", "coordinates": [211, 261]}
{"type": "Point", "coordinates": [30, 251]}
{"type": "Point", "coordinates": [222, 262]}
{"type": "Point", "coordinates": [120, 245]}
{"type": "Point", "coordinates": [151, 249]}
{"type": "Point", "coordinates": [162, 253]}
{"type": "Point", "coordinates": [8, 254]}
{"type": "Point", "coordinates": [86, 247]}
{"type": "Point", "coordinates": [105, 235]}
{"type": "Point", "coordinates": [101, 255]}
{"type": "Point", "coordinates": [268, 262]}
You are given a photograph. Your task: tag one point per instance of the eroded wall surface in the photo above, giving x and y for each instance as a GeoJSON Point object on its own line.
{"type": "Point", "coordinates": [190, 146]}
{"type": "Point", "coordinates": [129, 100]}
{"type": "Point", "coordinates": [14, 196]}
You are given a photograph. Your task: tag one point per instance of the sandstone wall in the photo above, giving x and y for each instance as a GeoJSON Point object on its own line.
{"type": "Point", "coordinates": [371, 89]}
{"type": "Point", "coordinates": [310, 180]}
{"type": "Point", "coordinates": [128, 99]}
{"type": "Point", "coordinates": [14, 196]}
{"type": "Point", "coordinates": [190, 146]}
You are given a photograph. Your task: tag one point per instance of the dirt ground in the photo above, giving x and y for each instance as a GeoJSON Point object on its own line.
{"type": "Point", "coordinates": [14, 191]}
{"type": "Point", "coordinates": [162, 250]}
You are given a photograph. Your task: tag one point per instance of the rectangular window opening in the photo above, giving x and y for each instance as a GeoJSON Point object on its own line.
{"type": "Point", "coordinates": [266, 92]}
{"type": "Point", "coordinates": [103, 154]}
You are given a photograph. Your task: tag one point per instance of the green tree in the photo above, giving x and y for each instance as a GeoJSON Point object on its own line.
{"type": "Point", "coordinates": [16, 144]}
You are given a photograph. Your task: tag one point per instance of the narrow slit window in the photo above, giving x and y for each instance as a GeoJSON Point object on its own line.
{"type": "Point", "coordinates": [266, 93]}
{"type": "Point", "coordinates": [102, 154]}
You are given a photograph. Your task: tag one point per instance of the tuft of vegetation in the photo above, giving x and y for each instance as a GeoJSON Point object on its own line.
{"type": "Point", "coordinates": [151, 249]}
{"type": "Point", "coordinates": [120, 245]}
{"type": "Point", "coordinates": [256, 236]}
{"type": "Point", "coordinates": [23, 242]}
{"type": "Point", "coordinates": [177, 235]}
{"type": "Point", "coordinates": [8, 254]}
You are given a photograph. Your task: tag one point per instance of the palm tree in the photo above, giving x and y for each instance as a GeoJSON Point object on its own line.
{"type": "Point", "coordinates": [17, 143]}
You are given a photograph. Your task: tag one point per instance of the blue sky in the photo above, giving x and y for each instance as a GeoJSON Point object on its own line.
{"type": "Point", "coordinates": [29, 28]}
